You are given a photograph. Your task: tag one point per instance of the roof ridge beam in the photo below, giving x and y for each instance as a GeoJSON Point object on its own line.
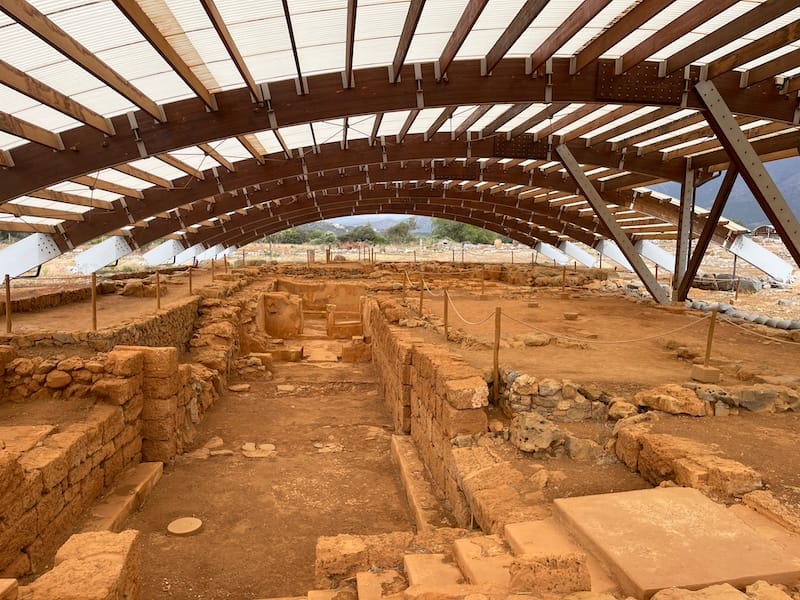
{"type": "Point", "coordinates": [50, 33]}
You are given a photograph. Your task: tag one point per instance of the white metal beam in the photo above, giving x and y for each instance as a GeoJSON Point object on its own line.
{"type": "Point", "coordinates": [552, 252]}
{"type": "Point", "coordinates": [610, 250]}
{"type": "Point", "coordinates": [761, 258]}
{"type": "Point", "coordinates": [188, 254]}
{"type": "Point", "coordinates": [27, 254]}
{"type": "Point", "coordinates": [106, 252]}
{"type": "Point", "coordinates": [211, 252]}
{"type": "Point", "coordinates": [576, 252]}
{"type": "Point", "coordinates": [661, 257]}
{"type": "Point", "coordinates": [163, 253]}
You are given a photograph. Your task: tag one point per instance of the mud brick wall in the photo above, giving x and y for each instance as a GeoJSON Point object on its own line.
{"type": "Point", "coordinates": [433, 395]}
{"type": "Point", "coordinates": [169, 327]}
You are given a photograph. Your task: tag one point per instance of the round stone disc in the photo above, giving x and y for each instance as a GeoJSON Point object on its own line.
{"type": "Point", "coordinates": [185, 526]}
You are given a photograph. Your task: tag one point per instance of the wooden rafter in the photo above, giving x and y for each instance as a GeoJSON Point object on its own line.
{"type": "Point", "coordinates": [150, 31]}
{"type": "Point", "coordinates": [50, 33]}
{"type": "Point", "coordinates": [776, 66]}
{"type": "Point", "coordinates": [67, 198]}
{"type": "Point", "coordinates": [376, 125]}
{"type": "Point", "coordinates": [5, 159]}
{"type": "Point", "coordinates": [440, 120]}
{"type": "Point", "coordinates": [694, 17]}
{"type": "Point", "coordinates": [465, 23]}
{"type": "Point", "coordinates": [660, 130]}
{"type": "Point", "coordinates": [750, 21]}
{"type": "Point", "coordinates": [412, 115]}
{"type": "Point", "coordinates": [350, 41]}
{"type": "Point", "coordinates": [565, 121]}
{"type": "Point", "coordinates": [545, 113]}
{"type": "Point", "coordinates": [22, 227]}
{"type": "Point", "coordinates": [505, 117]}
{"type": "Point", "coordinates": [211, 152]}
{"type": "Point", "coordinates": [41, 92]}
{"type": "Point", "coordinates": [763, 45]}
{"type": "Point", "coordinates": [29, 131]}
{"type": "Point", "coordinates": [596, 123]}
{"type": "Point", "coordinates": [288, 16]}
{"type": "Point", "coordinates": [95, 183]}
{"type": "Point", "coordinates": [409, 27]}
{"type": "Point", "coordinates": [471, 120]}
{"type": "Point", "coordinates": [579, 18]}
{"type": "Point", "coordinates": [233, 50]}
{"type": "Point", "coordinates": [248, 145]}
{"type": "Point", "coordinates": [20, 210]}
{"type": "Point", "coordinates": [630, 125]}
{"type": "Point", "coordinates": [521, 21]}
{"type": "Point", "coordinates": [144, 176]}
{"type": "Point", "coordinates": [180, 165]}
{"type": "Point", "coordinates": [630, 21]}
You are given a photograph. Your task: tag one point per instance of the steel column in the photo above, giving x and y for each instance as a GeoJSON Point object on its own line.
{"type": "Point", "coordinates": [623, 241]}
{"type": "Point", "coordinates": [705, 236]}
{"type": "Point", "coordinates": [684, 241]}
{"type": "Point", "coordinates": [750, 166]}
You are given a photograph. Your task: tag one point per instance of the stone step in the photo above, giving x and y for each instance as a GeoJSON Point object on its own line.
{"type": "Point", "coordinates": [768, 529]}
{"type": "Point", "coordinates": [453, 591]}
{"type": "Point", "coordinates": [430, 569]}
{"type": "Point", "coordinates": [374, 585]}
{"type": "Point", "coordinates": [323, 594]}
{"type": "Point", "coordinates": [548, 537]}
{"type": "Point", "coordinates": [8, 589]}
{"type": "Point", "coordinates": [484, 560]}
{"type": "Point", "coordinates": [428, 513]}
{"type": "Point", "coordinates": [127, 496]}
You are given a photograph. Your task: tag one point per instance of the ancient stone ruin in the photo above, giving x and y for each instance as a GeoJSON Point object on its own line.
{"type": "Point", "coordinates": [415, 431]}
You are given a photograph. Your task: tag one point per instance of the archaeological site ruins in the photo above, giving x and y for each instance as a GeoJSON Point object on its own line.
{"type": "Point", "coordinates": [563, 364]}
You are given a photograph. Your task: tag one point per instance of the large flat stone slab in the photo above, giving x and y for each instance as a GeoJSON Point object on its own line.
{"type": "Point", "coordinates": [673, 537]}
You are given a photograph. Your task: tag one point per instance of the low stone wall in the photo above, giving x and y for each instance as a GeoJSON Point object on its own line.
{"type": "Point", "coordinates": [97, 565]}
{"type": "Point", "coordinates": [168, 327]}
{"type": "Point", "coordinates": [345, 296]}
{"type": "Point", "coordinates": [431, 394]}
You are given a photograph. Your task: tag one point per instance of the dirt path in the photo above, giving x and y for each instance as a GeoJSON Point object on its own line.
{"type": "Point", "coordinates": [332, 474]}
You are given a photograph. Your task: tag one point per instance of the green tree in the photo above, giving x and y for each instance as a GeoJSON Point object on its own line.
{"type": "Point", "coordinates": [361, 233]}
{"type": "Point", "coordinates": [324, 238]}
{"type": "Point", "coordinates": [401, 233]}
{"type": "Point", "coordinates": [461, 232]}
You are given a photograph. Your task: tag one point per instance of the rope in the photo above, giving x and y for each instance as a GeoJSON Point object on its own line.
{"type": "Point", "coordinates": [755, 333]}
{"type": "Point", "coordinates": [589, 341]}
{"type": "Point", "coordinates": [460, 316]}
{"type": "Point", "coordinates": [430, 291]}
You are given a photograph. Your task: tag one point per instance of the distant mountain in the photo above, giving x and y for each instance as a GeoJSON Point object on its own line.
{"type": "Point", "coordinates": [742, 206]}
{"type": "Point", "coordinates": [381, 222]}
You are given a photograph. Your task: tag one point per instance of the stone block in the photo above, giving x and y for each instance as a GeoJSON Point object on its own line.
{"type": "Point", "coordinates": [73, 442]}
{"type": "Point", "coordinates": [51, 462]}
{"type": "Point", "coordinates": [673, 399]}
{"type": "Point", "coordinates": [160, 387]}
{"type": "Point", "coordinates": [132, 409]}
{"type": "Point", "coordinates": [92, 566]}
{"type": "Point", "coordinates": [117, 391]}
{"type": "Point", "coordinates": [159, 430]}
{"type": "Point", "coordinates": [7, 354]}
{"type": "Point", "coordinates": [8, 589]}
{"type": "Point", "coordinates": [160, 408]}
{"type": "Point", "coordinates": [467, 421]}
{"type": "Point", "coordinates": [158, 362]}
{"type": "Point", "coordinates": [159, 450]}
{"type": "Point", "coordinates": [557, 573]}
{"type": "Point", "coordinates": [112, 467]}
{"type": "Point", "coordinates": [58, 379]}
{"type": "Point", "coordinates": [471, 392]}
{"type": "Point", "coordinates": [124, 363]}
{"type": "Point", "coordinates": [706, 374]}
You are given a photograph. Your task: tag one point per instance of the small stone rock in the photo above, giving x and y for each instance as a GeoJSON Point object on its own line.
{"type": "Point", "coordinates": [496, 426]}
{"type": "Point", "coordinates": [58, 379]}
{"type": "Point", "coordinates": [223, 452]}
{"type": "Point", "coordinates": [583, 450]}
{"type": "Point", "coordinates": [200, 453]}
{"type": "Point", "coordinates": [267, 447]}
{"type": "Point", "coordinates": [214, 443]}
{"type": "Point", "coordinates": [537, 339]}
{"type": "Point", "coordinates": [540, 479]}
{"type": "Point", "coordinates": [621, 409]}
{"type": "Point", "coordinates": [248, 447]}
{"type": "Point", "coordinates": [672, 398]}
{"type": "Point", "coordinates": [239, 387]}
{"type": "Point", "coordinates": [285, 388]}
{"type": "Point", "coordinates": [531, 432]}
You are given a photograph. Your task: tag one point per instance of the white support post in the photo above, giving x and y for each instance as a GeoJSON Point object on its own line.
{"type": "Point", "coordinates": [617, 233]}
{"type": "Point", "coordinates": [685, 212]}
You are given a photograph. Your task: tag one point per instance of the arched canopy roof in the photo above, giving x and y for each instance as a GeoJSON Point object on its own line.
{"type": "Point", "coordinates": [155, 119]}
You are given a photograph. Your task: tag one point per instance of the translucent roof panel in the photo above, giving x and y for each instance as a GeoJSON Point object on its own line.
{"type": "Point", "coordinates": [666, 16]}
{"type": "Point", "coordinates": [494, 19]}
{"type": "Point", "coordinates": [158, 168]}
{"type": "Point", "coordinates": [360, 127]}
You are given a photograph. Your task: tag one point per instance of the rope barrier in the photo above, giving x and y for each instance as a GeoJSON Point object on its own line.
{"type": "Point", "coordinates": [755, 333]}
{"type": "Point", "coordinates": [460, 316]}
{"type": "Point", "coordinates": [427, 289]}
{"type": "Point", "coordinates": [609, 342]}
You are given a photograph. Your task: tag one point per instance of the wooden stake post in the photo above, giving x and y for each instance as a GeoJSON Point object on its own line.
{"type": "Point", "coordinates": [446, 302]}
{"type": "Point", "coordinates": [94, 301]}
{"type": "Point", "coordinates": [8, 303]}
{"type": "Point", "coordinates": [498, 312]}
{"type": "Point", "coordinates": [158, 290]}
{"type": "Point", "coordinates": [421, 294]}
{"type": "Point", "coordinates": [213, 269]}
{"type": "Point", "coordinates": [711, 325]}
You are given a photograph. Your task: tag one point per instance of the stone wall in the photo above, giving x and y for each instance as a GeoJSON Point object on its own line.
{"type": "Point", "coordinates": [345, 296]}
{"type": "Point", "coordinates": [431, 394]}
{"type": "Point", "coordinates": [168, 327]}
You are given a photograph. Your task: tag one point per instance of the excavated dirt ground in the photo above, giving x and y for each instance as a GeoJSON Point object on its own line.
{"type": "Point", "coordinates": [262, 516]}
